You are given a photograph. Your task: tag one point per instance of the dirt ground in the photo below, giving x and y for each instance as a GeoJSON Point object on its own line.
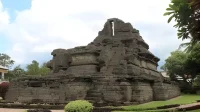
{"type": "Point", "coordinates": [22, 110]}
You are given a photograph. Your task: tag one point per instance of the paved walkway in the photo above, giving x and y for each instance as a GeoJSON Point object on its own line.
{"type": "Point", "coordinates": [22, 110]}
{"type": "Point", "coordinates": [188, 105]}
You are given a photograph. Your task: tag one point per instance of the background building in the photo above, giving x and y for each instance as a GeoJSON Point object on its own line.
{"type": "Point", "coordinates": [3, 70]}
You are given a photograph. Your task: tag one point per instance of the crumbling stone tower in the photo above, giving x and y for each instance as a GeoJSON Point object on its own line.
{"type": "Point", "coordinates": [115, 69]}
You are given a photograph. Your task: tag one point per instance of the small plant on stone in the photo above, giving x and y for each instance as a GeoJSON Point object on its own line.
{"type": "Point", "coordinates": [79, 106]}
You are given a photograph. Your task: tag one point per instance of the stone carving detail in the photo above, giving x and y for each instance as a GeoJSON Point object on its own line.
{"type": "Point", "coordinates": [115, 69]}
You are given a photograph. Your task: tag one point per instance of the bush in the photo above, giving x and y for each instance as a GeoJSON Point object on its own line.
{"type": "Point", "coordinates": [79, 106]}
{"type": "Point", "coordinates": [3, 89]}
{"type": "Point", "coordinates": [187, 88]}
{"type": "Point", "coordinates": [196, 82]}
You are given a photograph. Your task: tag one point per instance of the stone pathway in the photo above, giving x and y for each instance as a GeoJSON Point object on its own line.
{"type": "Point", "coordinates": [189, 105]}
{"type": "Point", "coordinates": [22, 110]}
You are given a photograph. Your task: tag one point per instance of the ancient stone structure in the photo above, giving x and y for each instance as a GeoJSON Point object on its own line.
{"type": "Point", "coordinates": [115, 69]}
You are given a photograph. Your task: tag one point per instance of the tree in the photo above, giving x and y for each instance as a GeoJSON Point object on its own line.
{"type": "Point", "coordinates": [16, 72]}
{"type": "Point", "coordinates": [195, 4]}
{"type": "Point", "coordinates": [33, 68]}
{"type": "Point", "coordinates": [186, 65]}
{"type": "Point", "coordinates": [192, 65]}
{"type": "Point", "coordinates": [44, 70]}
{"type": "Point", "coordinates": [187, 16]}
{"type": "Point", "coordinates": [188, 46]}
{"type": "Point", "coordinates": [175, 64]}
{"type": "Point", "coordinates": [5, 60]}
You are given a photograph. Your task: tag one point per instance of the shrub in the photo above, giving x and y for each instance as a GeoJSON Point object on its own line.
{"type": "Point", "coordinates": [79, 106]}
{"type": "Point", "coordinates": [3, 89]}
{"type": "Point", "coordinates": [196, 82]}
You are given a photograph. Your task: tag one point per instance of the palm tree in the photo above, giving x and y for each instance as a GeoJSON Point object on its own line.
{"type": "Point", "coordinates": [195, 4]}
{"type": "Point", "coordinates": [187, 15]}
{"type": "Point", "coordinates": [187, 46]}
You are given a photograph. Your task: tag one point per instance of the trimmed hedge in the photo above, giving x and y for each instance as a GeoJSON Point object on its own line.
{"type": "Point", "coordinates": [79, 106]}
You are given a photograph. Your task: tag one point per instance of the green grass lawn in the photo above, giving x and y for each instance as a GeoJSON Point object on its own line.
{"type": "Point", "coordinates": [183, 99]}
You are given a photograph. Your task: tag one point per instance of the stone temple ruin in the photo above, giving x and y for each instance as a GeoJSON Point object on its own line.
{"type": "Point", "coordinates": [115, 69]}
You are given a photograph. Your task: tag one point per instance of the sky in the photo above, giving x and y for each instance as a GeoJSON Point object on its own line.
{"type": "Point", "coordinates": [31, 29]}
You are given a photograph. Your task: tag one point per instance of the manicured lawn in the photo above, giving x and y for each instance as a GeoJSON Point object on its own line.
{"type": "Point", "coordinates": [183, 99]}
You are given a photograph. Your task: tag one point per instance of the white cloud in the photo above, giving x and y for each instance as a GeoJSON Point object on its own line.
{"type": "Point", "coordinates": [4, 17]}
{"type": "Point", "coordinates": [51, 24]}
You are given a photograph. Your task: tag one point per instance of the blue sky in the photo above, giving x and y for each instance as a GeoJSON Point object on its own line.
{"type": "Point", "coordinates": [12, 6]}
{"type": "Point", "coordinates": [31, 29]}
{"type": "Point", "coordinates": [15, 5]}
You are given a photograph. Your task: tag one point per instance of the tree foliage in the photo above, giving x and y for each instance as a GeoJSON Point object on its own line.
{"type": "Point", "coordinates": [32, 69]}
{"type": "Point", "coordinates": [192, 65]}
{"type": "Point", "coordinates": [186, 65]}
{"type": "Point", "coordinates": [196, 82]}
{"type": "Point", "coordinates": [35, 69]}
{"type": "Point", "coordinates": [187, 17]}
{"type": "Point", "coordinates": [5, 60]}
{"type": "Point", "coordinates": [44, 70]}
{"type": "Point", "coordinates": [16, 72]}
{"type": "Point", "coordinates": [175, 64]}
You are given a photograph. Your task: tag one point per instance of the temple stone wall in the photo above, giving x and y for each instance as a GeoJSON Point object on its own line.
{"type": "Point", "coordinates": [133, 69]}
{"type": "Point", "coordinates": [31, 94]}
{"type": "Point", "coordinates": [84, 59]}
{"type": "Point", "coordinates": [76, 90]}
{"type": "Point", "coordinates": [164, 91]}
{"type": "Point", "coordinates": [52, 92]}
{"type": "Point", "coordinates": [113, 93]}
{"type": "Point", "coordinates": [142, 92]}
{"type": "Point", "coordinates": [82, 69]}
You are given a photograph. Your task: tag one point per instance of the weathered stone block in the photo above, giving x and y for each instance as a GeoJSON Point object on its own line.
{"type": "Point", "coordinates": [143, 64]}
{"type": "Point", "coordinates": [133, 69]}
{"type": "Point", "coordinates": [84, 59]}
{"type": "Point", "coordinates": [82, 69]}
{"type": "Point", "coordinates": [142, 92]}
{"type": "Point", "coordinates": [164, 91]}
{"type": "Point", "coordinates": [133, 60]}
{"type": "Point", "coordinates": [151, 66]}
